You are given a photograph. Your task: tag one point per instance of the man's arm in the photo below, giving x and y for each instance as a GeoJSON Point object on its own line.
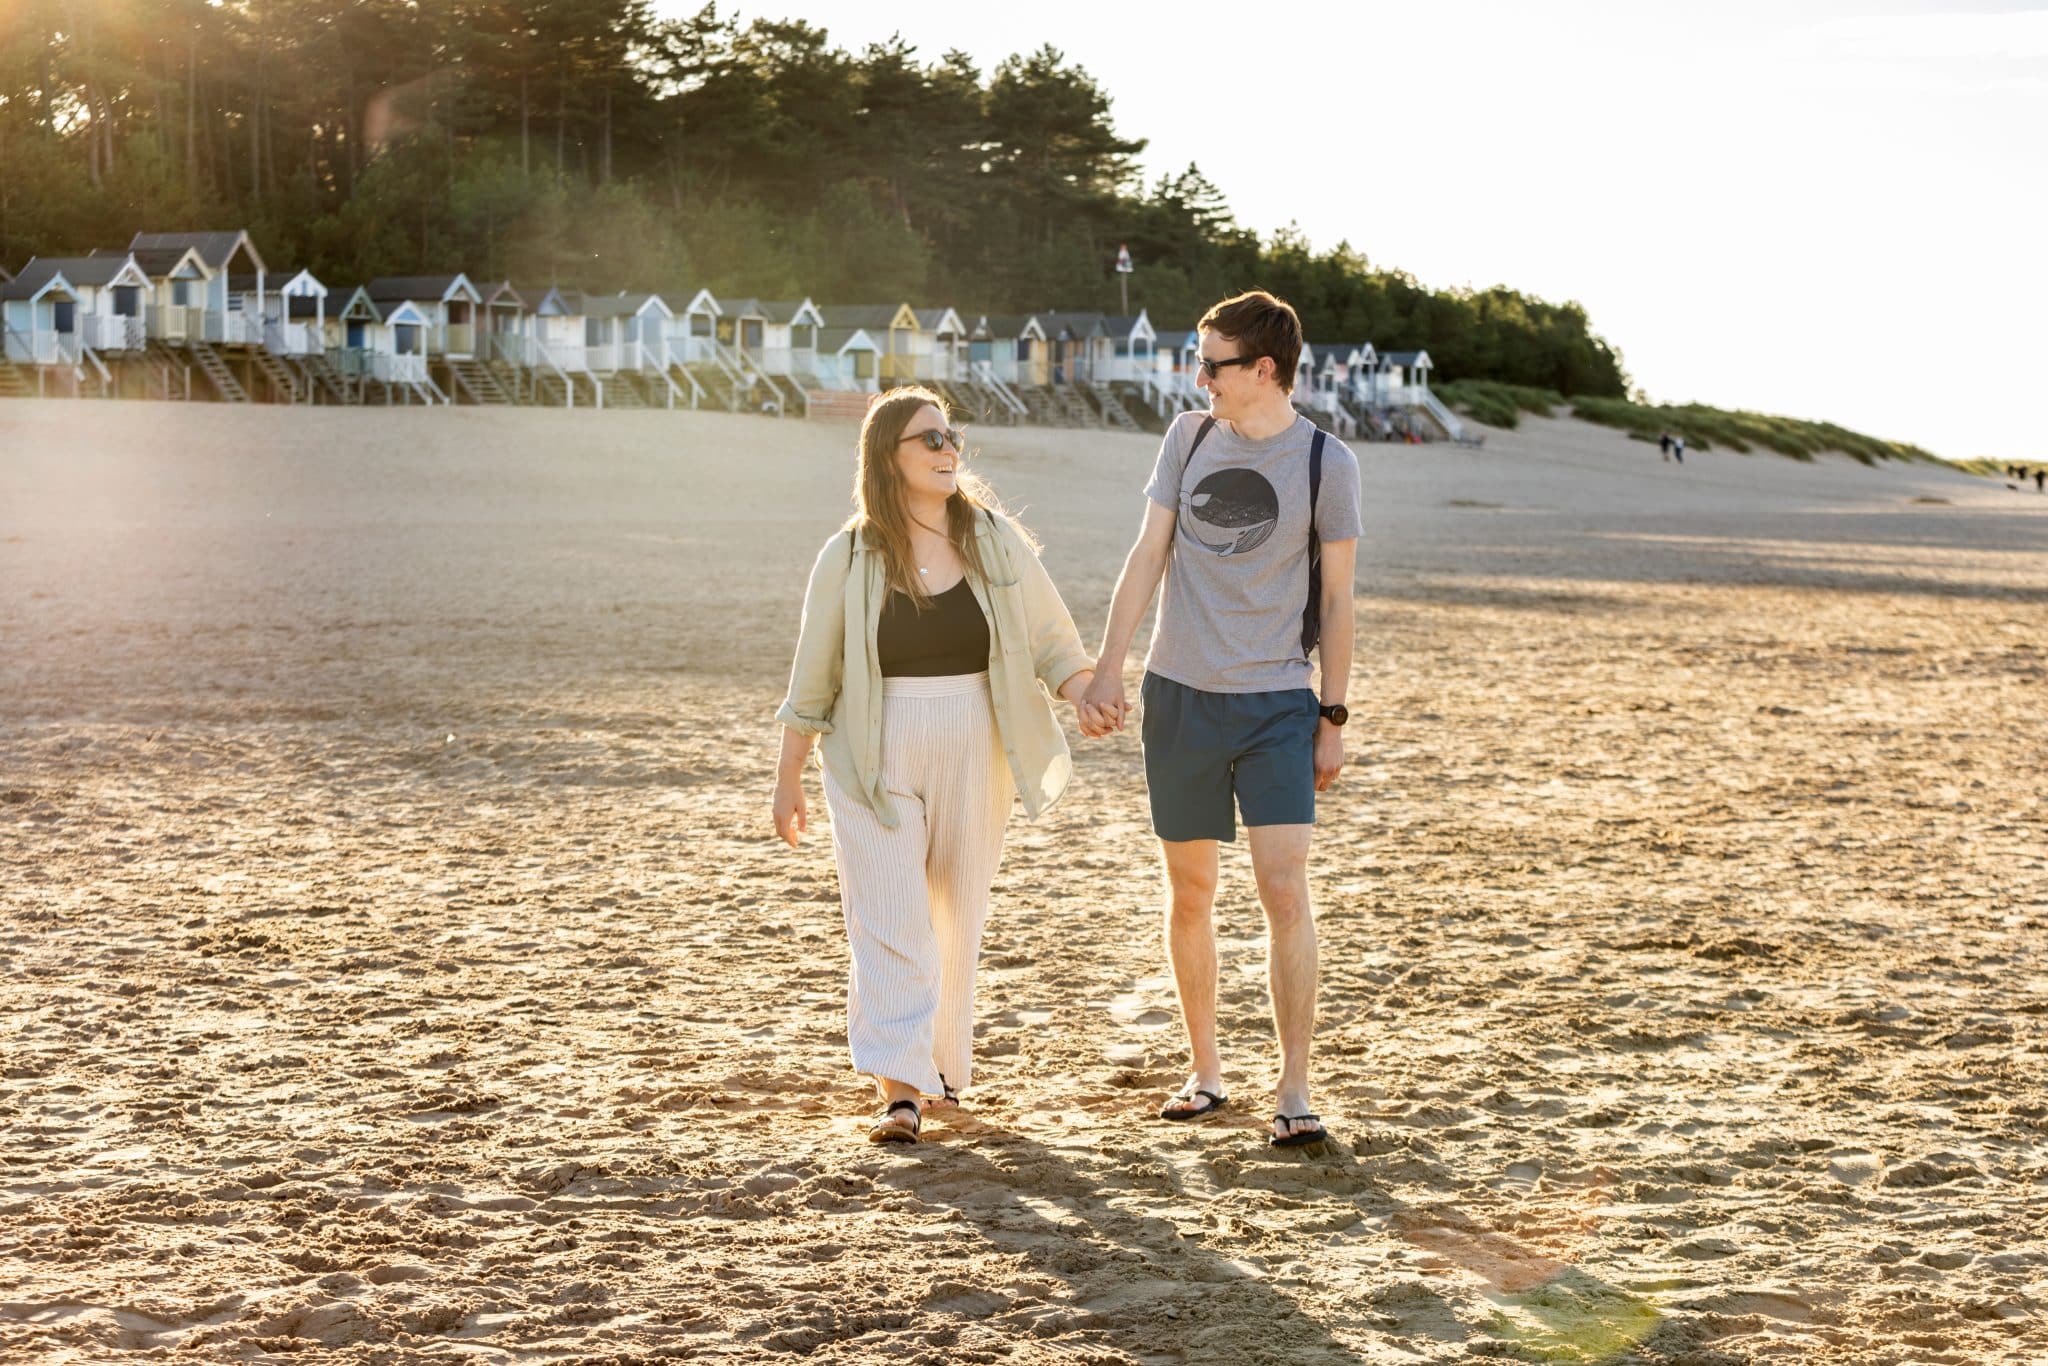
{"type": "Point", "coordinates": [1134, 588]}
{"type": "Point", "coordinates": [1340, 559]}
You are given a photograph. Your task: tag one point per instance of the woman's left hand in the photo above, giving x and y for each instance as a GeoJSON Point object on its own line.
{"type": "Point", "coordinates": [791, 816]}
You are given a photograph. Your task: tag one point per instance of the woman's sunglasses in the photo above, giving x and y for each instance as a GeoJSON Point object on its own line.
{"type": "Point", "coordinates": [938, 438]}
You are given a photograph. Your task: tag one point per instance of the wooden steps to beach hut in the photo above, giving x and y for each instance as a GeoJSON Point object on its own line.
{"type": "Point", "coordinates": [217, 372]}
{"type": "Point", "coordinates": [471, 381]}
{"type": "Point", "coordinates": [621, 392]}
{"type": "Point", "coordinates": [13, 383]}
{"type": "Point", "coordinates": [284, 384]}
{"type": "Point", "coordinates": [1075, 411]}
{"type": "Point", "coordinates": [1125, 399]}
{"type": "Point", "coordinates": [325, 379]}
{"type": "Point", "coordinates": [512, 380]}
{"type": "Point", "coordinates": [1044, 412]}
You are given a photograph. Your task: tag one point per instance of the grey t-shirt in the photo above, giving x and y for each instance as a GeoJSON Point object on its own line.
{"type": "Point", "coordinates": [1230, 613]}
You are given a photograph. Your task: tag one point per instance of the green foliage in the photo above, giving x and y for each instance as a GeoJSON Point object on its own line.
{"type": "Point", "coordinates": [1497, 404]}
{"type": "Point", "coordinates": [1703, 428]}
{"type": "Point", "coordinates": [590, 143]}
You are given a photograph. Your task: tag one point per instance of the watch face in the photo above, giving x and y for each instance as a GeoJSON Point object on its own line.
{"type": "Point", "coordinates": [1337, 713]}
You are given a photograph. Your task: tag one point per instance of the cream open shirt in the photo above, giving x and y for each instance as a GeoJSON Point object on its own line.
{"type": "Point", "coordinates": [835, 685]}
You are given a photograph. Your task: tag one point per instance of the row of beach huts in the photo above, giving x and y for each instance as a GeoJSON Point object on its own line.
{"type": "Point", "coordinates": [200, 316]}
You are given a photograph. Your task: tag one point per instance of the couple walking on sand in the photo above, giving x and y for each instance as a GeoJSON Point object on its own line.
{"type": "Point", "coordinates": [932, 635]}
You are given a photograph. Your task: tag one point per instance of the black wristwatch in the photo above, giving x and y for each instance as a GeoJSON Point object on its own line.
{"type": "Point", "coordinates": [1336, 713]}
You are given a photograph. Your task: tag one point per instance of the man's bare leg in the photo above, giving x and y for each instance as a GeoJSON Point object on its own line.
{"type": "Point", "coordinates": [1191, 951]}
{"type": "Point", "coordinates": [1280, 863]}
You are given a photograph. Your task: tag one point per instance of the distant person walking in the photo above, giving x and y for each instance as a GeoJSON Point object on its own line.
{"type": "Point", "coordinates": [2041, 481]}
{"type": "Point", "coordinates": [1664, 445]}
{"type": "Point", "coordinates": [1678, 449]}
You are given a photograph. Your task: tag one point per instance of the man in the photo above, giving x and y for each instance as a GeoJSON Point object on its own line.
{"type": "Point", "coordinates": [1228, 709]}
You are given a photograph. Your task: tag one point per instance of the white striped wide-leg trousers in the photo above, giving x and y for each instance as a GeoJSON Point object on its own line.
{"type": "Point", "coordinates": [916, 897]}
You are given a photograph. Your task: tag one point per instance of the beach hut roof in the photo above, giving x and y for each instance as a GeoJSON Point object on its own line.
{"type": "Point", "coordinates": [356, 300]}
{"type": "Point", "coordinates": [304, 283]}
{"type": "Point", "coordinates": [6, 276]}
{"type": "Point", "coordinates": [96, 271]}
{"type": "Point", "coordinates": [214, 248]}
{"type": "Point", "coordinates": [625, 305]}
{"type": "Point", "coordinates": [39, 277]}
{"type": "Point", "coordinates": [163, 263]}
{"type": "Point", "coordinates": [940, 320]}
{"type": "Point", "coordinates": [541, 299]}
{"type": "Point", "coordinates": [500, 294]}
{"type": "Point", "coordinates": [1410, 359]}
{"type": "Point", "coordinates": [1010, 325]}
{"type": "Point", "coordinates": [837, 339]}
{"type": "Point", "coordinates": [791, 312]}
{"type": "Point", "coordinates": [438, 288]}
{"type": "Point", "coordinates": [730, 307]}
{"type": "Point", "coordinates": [1130, 327]}
{"type": "Point", "coordinates": [870, 316]}
{"type": "Point", "coordinates": [1072, 324]}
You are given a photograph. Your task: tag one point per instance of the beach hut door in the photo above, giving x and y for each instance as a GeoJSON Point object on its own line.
{"type": "Point", "coordinates": [65, 315]}
{"type": "Point", "coordinates": [355, 334]}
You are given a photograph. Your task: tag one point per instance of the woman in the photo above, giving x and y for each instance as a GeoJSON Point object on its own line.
{"type": "Point", "coordinates": [929, 626]}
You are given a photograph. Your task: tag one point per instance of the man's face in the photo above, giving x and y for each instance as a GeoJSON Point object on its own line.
{"type": "Point", "coordinates": [1231, 382]}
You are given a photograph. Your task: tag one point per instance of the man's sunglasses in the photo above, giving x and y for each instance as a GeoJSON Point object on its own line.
{"type": "Point", "coordinates": [1210, 367]}
{"type": "Point", "coordinates": [938, 438]}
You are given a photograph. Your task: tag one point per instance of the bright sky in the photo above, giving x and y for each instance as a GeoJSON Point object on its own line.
{"type": "Point", "coordinates": [1820, 208]}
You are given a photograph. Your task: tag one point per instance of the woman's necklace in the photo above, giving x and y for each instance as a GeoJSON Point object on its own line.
{"type": "Point", "coordinates": [925, 570]}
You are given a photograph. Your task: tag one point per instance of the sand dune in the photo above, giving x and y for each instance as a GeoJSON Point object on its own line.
{"type": "Point", "coordinates": [399, 966]}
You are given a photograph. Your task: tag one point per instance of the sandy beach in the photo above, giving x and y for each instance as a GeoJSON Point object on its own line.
{"type": "Point", "coordinates": [399, 965]}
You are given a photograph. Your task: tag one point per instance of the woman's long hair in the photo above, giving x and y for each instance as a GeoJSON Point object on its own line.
{"type": "Point", "coordinates": [879, 511]}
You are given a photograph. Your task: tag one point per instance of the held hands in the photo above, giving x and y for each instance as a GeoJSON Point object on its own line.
{"type": "Point", "coordinates": [1100, 706]}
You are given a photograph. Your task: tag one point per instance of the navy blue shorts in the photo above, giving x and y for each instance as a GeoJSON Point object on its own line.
{"type": "Point", "coordinates": [1204, 748]}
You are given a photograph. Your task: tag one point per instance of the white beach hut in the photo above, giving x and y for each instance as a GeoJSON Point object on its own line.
{"type": "Point", "coordinates": [940, 346]}
{"type": "Point", "coordinates": [626, 343]}
{"type": "Point", "coordinates": [107, 311]}
{"type": "Point", "coordinates": [849, 360]}
{"type": "Point", "coordinates": [174, 308]}
{"type": "Point", "coordinates": [382, 349]}
{"type": "Point", "coordinates": [892, 328]}
{"type": "Point", "coordinates": [39, 309]}
{"type": "Point", "coordinates": [561, 343]}
{"type": "Point", "coordinates": [790, 345]}
{"type": "Point", "coordinates": [223, 318]}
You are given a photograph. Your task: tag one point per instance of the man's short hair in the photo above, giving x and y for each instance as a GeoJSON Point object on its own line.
{"type": "Point", "coordinates": [1261, 325]}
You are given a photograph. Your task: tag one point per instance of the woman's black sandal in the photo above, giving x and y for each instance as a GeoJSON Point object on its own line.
{"type": "Point", "coordinates": [889, 1129]}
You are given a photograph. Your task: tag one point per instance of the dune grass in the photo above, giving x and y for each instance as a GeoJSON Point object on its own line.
{"type": "Point", "coordinates": [1497, 404]}
{"type": "Point", "coordinates": [1704, 428]}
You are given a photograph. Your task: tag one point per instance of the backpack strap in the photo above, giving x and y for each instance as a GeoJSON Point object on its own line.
{"type": "Point", "coordinates": [1201, 435]}
{"type": "Point", "coordinates": [1312, 610]}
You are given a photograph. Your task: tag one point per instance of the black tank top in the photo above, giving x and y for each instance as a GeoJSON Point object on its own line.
{"type": "Point", "coordinates": [948, 637]}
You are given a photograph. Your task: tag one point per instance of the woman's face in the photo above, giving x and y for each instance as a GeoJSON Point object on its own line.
{"type": "Point", "coordinates": [928, 474]}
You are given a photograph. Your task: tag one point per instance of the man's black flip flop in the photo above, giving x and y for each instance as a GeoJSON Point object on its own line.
{"type": "Point", "coordinates": [1301, 1139]}
{"type": "Point", "coordinates": [1208, 1107]}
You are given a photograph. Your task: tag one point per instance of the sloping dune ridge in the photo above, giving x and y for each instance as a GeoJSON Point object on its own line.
{"type": "Point", "coordinates": [399, 966]}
